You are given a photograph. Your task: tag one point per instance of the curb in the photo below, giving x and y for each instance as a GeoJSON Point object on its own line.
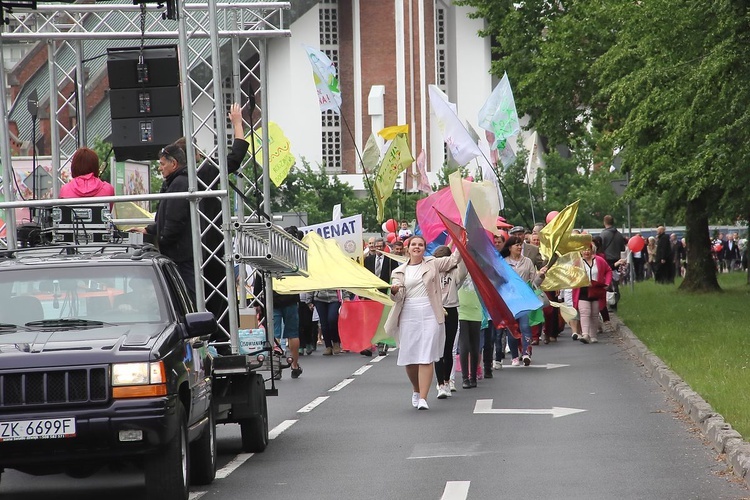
{"type": "Point", "coordinates": [724, 439]}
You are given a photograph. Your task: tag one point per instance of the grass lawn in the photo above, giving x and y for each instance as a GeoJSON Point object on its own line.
{"type": "Point", "coordinates": [704, 338]}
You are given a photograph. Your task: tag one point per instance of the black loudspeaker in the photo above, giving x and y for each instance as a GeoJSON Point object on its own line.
{"type": "Point", "coordinates": [144, 100]}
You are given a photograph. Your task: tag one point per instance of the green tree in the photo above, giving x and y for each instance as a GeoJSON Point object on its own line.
{"type": "Point", "coordinates": [313, 191]}
{"type": "Point", "coordinates": [664, 82]}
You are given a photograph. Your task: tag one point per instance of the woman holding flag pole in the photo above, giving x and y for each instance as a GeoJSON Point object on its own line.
{"type": "Point", "coordinates": [524, 267]}
{"type": "Point", "coordinates": [417, 319]}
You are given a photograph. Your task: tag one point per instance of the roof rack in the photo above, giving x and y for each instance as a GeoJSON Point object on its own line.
{"type": "Point", "coordinates": [131, 251]}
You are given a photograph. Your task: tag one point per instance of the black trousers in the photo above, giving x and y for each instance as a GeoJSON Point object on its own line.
{"type": "Point", "coordinates": [444, 366]}
{"type": "Point", "coordinates": [468, 345]}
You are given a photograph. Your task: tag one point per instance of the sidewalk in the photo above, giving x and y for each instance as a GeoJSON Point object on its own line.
{"type": "Point", "coordinates": [720, 434]}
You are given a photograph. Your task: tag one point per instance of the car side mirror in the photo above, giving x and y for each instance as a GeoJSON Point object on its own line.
{"type": "Point", "coordinates": [199, 324]}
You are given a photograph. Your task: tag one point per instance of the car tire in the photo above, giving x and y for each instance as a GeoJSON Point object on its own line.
{"type": "Point", "coordinates": [255, 429]}
{"type": "Point", "coordinates": [203, 454]}
{"type": "Point", "coordinates": [167, 472]}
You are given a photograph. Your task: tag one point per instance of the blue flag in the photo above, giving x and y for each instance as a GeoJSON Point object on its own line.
{"type": "Point", "coordinates": [516, 293]}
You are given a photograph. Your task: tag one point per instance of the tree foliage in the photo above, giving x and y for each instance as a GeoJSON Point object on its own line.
{"type": "Point", "coordinates": [313, 191]}
{"type": "Point", "coordinates": [662, 84]}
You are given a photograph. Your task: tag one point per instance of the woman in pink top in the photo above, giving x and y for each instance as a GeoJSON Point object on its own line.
{"type": "Point", "coordinates": [84, 168]}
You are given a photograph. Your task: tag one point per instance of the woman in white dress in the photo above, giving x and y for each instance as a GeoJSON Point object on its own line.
{"type": "Point", "coordinates": [417, 319]}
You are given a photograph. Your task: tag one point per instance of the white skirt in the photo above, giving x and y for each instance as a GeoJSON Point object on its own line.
{"type": "Point", "coordinates": [421, 337]}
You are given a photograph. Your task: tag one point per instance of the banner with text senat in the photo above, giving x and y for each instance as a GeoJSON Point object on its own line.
{"type": "Point", "coordinates": [347, 232]}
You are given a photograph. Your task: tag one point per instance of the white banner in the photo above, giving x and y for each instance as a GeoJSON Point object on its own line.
{"type": "Point", "coordinates": [347, 232]}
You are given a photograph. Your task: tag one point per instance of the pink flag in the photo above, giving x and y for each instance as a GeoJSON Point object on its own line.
{"type": "Point", "coordinates": [428, 219]}
{"type": "Point", "coordinates": [424, 181]}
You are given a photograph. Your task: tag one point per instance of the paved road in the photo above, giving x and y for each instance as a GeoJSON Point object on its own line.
{"type": "Point", "coordinates": [346, 430]}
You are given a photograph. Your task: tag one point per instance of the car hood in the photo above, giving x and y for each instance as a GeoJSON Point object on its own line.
{"type": "Point", "coordinates": [107, 344]}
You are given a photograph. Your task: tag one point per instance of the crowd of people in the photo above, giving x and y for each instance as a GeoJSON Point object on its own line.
{"type": "Point", "coordinates": [438, 319]}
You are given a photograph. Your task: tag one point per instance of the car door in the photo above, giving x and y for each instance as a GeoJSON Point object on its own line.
{"type": "Point", "coordinates": [195, 349]}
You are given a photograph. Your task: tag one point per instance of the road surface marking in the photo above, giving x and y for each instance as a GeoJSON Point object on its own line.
{"type": "Point", "coordinates": [280, 428]}
{"type": "Point", "coordinates": [548, 366]}
{"type": "Point", "coordinates": [341, 385]}
{"type": "Point", "coordinates": [456, 490]}
{"type": "Point", "coordinates": [232, 465]}
{"type": "Point", "coordinates": [362, 370]}
{"type": "Point", "coordinates": [485, 406]}
{"type": "Point", "coordinates": [312, 405]}
{"type": "Point", "coordinates": [195, 495]}
{"type": "Point", "coordinates": [378, 359]}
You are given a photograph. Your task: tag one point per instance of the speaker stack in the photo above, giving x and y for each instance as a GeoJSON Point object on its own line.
{"type": "Point", "coordinates": [144, 100]}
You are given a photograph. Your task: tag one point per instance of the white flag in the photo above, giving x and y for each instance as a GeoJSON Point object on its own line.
{"type": "Point", "coordinates": [456, 137]}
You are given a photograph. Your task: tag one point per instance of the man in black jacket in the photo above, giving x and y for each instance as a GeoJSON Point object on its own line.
{"type": "Point", "coordinates": [664, 270]}
{"type": "Point", "coordinates": [613, 244]}
{"type": "Point", "coordinates": [380, 265]}
{"type": "Point", "coordinates": [172, 222]}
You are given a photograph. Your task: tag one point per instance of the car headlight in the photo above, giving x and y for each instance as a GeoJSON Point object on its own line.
{"type": "Point", "coordinates": [134, 380]}
{"type": "Point", "coordinates": [137, 373]}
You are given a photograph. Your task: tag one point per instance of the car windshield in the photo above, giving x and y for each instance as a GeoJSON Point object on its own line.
{"type": "Point", "coordinates": [37, 296]}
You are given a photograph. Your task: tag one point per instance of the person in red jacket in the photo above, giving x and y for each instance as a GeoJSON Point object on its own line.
{"type": "Point", "coordinates": [84, 167]}
{"type": "Point", "coordinates": [589, 300]}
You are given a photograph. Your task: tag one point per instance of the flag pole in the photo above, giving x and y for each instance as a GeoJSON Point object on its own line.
{"type": "Point", "coordinates": [507, 193]}
{"type": "Point", "coordinates": [359, 156]}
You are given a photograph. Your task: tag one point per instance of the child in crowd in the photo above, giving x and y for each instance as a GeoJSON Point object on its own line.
{"type": "Point", "coordinates": [404, 232]}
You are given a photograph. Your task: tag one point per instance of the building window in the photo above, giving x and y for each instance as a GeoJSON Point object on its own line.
{"type": "Point", "coordinates": [330, 121]}
{"type": "Point", "coordinates": [331, 141]}
{"type": "Point", "coordinates": [440, 48]}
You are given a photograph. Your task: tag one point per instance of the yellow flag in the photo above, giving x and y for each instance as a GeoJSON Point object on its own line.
{"type": "Point", "coordinates": [482, 195]}
{"type": "Point", "coordinates": [280, 158]}
{"type": "Point", "coordinates": [390, 133]}
{"type": "Point", "coordinates": [395, 161]}
{"type": "Point", "coordinates": [566, 272]}
{"type": "Point", "coordinates": [558, 232]}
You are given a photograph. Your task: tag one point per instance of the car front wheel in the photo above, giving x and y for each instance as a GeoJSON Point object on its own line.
{"type": "Point", "coordinates": [203, 454]}
{"type": "Point", "coordinates": [167, 472]}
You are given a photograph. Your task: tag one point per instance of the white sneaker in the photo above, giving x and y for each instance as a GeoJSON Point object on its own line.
{"type": "Point", "coordinates": [594, 340]}
{"type": "Point", "coordinates": [442, 392]}
{"type": "Point", "coordinates": [515, 362]}
{"type": "Point", "coordinates": [497, 365]}
{"type": "Point", "coordinates": [415, 399]}
{"type": "Point", "coordinates": [422, 405]}
{"type": "Point", "coordinates": [447, 389]}
{"type": "Point", "coordinates": [452, 385]}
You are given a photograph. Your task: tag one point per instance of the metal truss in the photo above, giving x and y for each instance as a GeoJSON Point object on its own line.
{"type": "Point", "coordinates": [222, 50]}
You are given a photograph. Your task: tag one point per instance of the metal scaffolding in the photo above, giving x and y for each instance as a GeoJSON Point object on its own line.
{"type": "Point", "coordinates": [233, 34]}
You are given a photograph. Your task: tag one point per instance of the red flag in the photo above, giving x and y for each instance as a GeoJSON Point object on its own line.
{"type": "Point", "coordinates": [358, 322]}
{"type": "Point", "coordinates": [494, 303]}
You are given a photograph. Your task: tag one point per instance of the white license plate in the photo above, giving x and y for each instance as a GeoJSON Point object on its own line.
{"type": "Point", "coordinates": [49, 428]}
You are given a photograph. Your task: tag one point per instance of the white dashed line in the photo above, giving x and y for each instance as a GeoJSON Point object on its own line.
{"type": "Point", "coordinates": [231, 466]}
{"type": "Point", "coordinates": [362, 370]}
{"type": "Point", "coordinates": [341, 385]}
{"type": "Point", "coordinates": [312, 405]}
{"type": "Point", "coordinates": [378, 359]}
{"type": "Point", "coordinates": [195, 495]}
{"type": "Point", "coordinates": [280, 428]}
{"type": "Point", "coordinates": [456, 490]}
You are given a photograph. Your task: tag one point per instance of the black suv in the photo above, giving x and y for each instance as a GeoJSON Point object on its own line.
{"type": "Point", "coordinates": [102, 361]}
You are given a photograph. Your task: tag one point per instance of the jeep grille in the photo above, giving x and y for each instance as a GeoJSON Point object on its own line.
{"type": "Point", "coordinates": [74, 386]}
